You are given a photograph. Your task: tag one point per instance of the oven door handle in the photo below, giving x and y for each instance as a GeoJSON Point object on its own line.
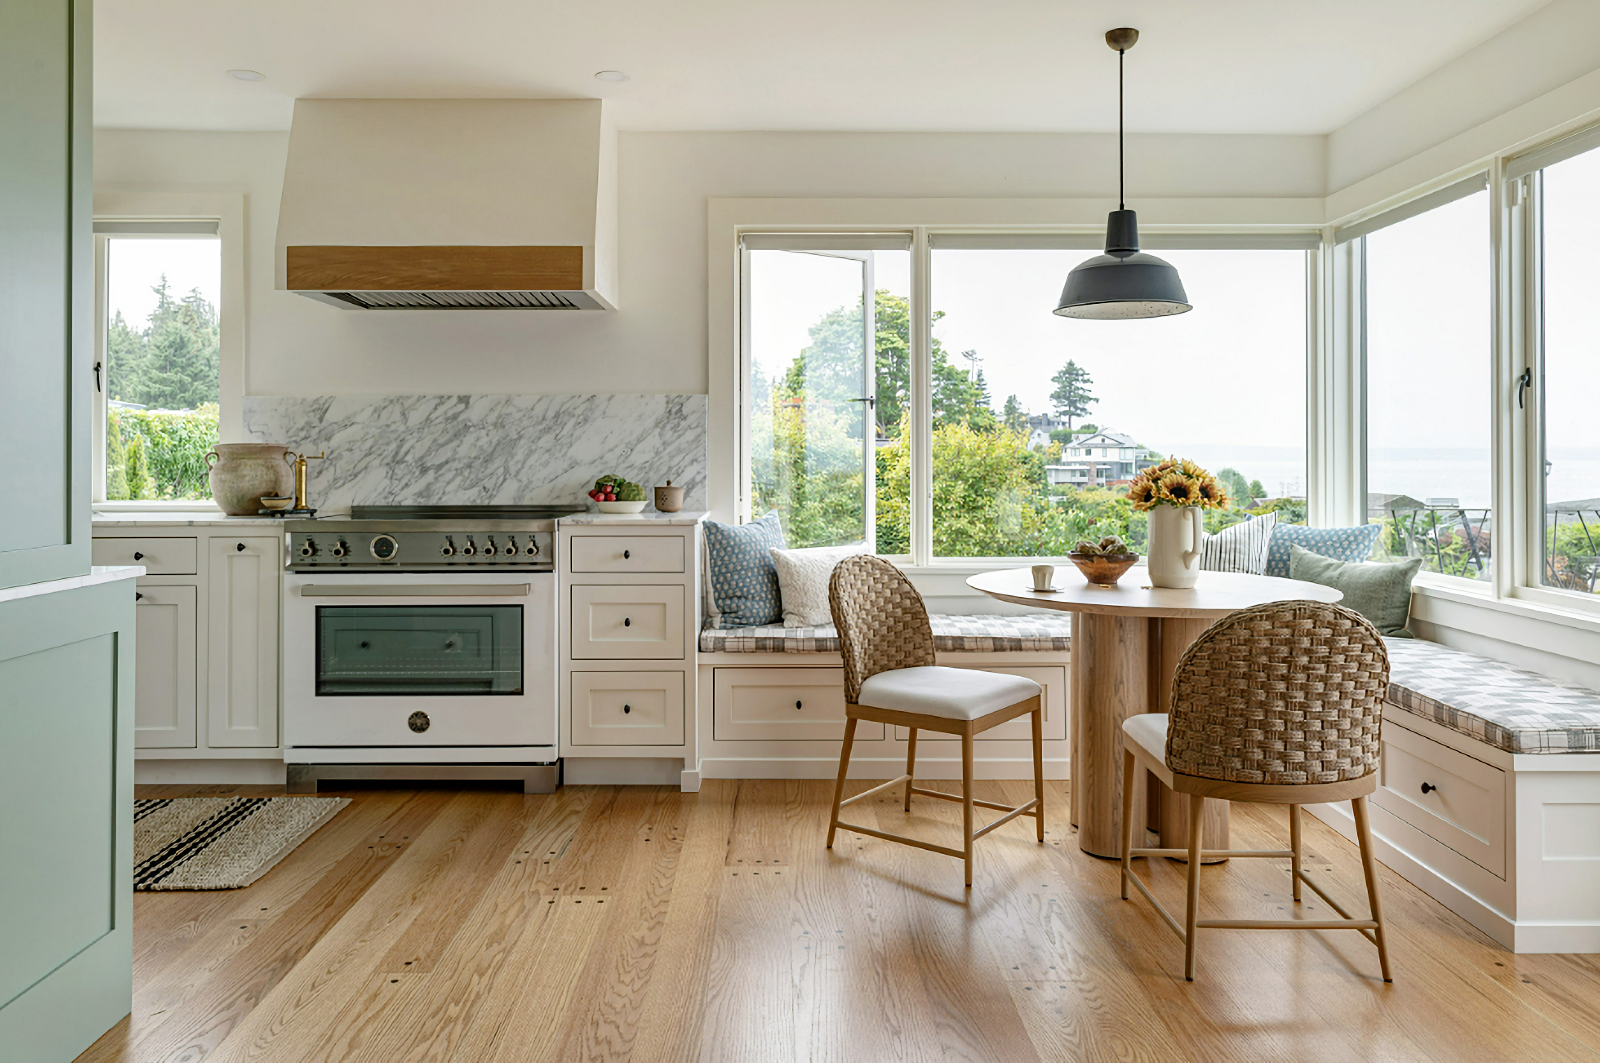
{"type": "Point", "coordinates": [416, 590]}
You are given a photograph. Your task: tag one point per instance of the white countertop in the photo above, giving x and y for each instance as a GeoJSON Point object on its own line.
{"type": "Point", "coordinates": [97, 574]}
{"type": "Point", "coordinates": [647, 519]}
{"type": "Point", "coordinates": [167, 518]}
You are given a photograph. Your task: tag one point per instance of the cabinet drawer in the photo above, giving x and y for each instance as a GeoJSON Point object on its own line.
{"type": "Point", "coordinates": [1054, 682]}
{"type": "Point", "coordinates": [627, 623]}
{"type": "Point", "coordinates": [1465, 806]}
{"type": "Point", "coordinates": [627, 553]}
{"type": "Point", "coordinates": [782, 704]}
{"type": "Point", "coordinates": [627, 709]}
{"type": "Point", "coordinates": [160, 556]}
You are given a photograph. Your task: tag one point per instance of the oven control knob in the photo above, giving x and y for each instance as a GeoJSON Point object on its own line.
{"type": "Point", "coordinates": [448, 549]}
{"type": "Point", "coordinates": [511, 546]}
{"type": "Point", "coordinates": [488, 547]}
{"type": "Point", "coordinates": [469, 549]}
{"type": "Point", "coordinates": [418, 722]}
{"type": "Point", "coordinates": [339, 549]}
{"type": "Point", "coordinates": [384, 547]}
{"type": "Point", "coordinates": [533, 548]}
{"type": "Point", "coordinates": [308, 548]}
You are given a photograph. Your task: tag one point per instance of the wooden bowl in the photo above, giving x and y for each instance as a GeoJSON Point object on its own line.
{"type": "Point", "coordinates": [1103, 569]}
{"type": "Point", "coordinates": [276, 501]}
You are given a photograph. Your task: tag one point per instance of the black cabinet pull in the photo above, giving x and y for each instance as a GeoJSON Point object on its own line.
{"type": "Point", "coordinates": [138, 597]}
{"type": "Point", "coordinates": [366, 645]}
{"type": "Point", "coordinates": [240, 548]}
{"type": "Point", "coordinates": [626, 554]}
{"type": "Point", "coordinates": [627, 709]}
{"type": "Point", "coordinates": [797, 704]}
{"type": "Point", "coordinates": [627, 621]}
{"type": "Point", "coordinates": [1428, 787]}
{"type": "Point", "coordinates": [137, 556]}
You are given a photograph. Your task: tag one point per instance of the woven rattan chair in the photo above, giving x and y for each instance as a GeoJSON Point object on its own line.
{"type": "Point", "coordinates": [890, 678]}
{"type": "Point", "coordinates": [1278, 704]}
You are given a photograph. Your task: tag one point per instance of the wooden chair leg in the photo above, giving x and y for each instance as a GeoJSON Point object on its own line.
{"type": "Point", "coordinates": [966, 802]}
{"type": "Point", "coordinates": [844, 768]}
{"type": "Point", "coordinates": [1369, 867]}
{"type": "Point", "coordinates": [1129, 770]}
{"type": "Point", "coordinates": [1294, 847]}
{"type": "Point", "coordinates": [1038, 770]}
{"type": "Point", "coordinates": [1196, 807]}
{"type": "Point", "coordinates": [911, 765]}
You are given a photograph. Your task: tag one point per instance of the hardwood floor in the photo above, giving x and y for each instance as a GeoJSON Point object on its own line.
{"type": "Point", "coordinates": [639, 924]}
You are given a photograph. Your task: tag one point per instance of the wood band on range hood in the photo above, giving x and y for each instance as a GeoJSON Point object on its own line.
{"type": "Point", "coordinates": [439, 268]}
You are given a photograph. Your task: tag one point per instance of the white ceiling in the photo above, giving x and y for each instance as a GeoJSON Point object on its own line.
{"type": "Point", "coordinates": [1223, 66]}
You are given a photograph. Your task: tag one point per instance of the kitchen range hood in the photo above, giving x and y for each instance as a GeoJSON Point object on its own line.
{"type": "Point", "coordinates": [450, 205]}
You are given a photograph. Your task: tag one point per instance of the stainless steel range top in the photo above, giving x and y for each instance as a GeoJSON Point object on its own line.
{"type": "Point", "coordinates": [428, 539]}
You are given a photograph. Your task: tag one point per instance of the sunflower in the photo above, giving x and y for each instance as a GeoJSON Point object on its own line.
{"type": "Point", "coordinates": [1212, 494]}
{"type": "Point", "coordinates": [1178, 489]}
{"type": "Point", "coordinates": [1142, 492]}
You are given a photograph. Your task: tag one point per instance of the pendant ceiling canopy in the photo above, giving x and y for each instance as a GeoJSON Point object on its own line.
{"type": "Point", "coordinates": [1124, 282]}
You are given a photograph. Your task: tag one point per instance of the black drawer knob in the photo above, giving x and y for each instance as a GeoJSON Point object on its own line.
{"type": "Point", "coordinates": [418, 722]}
{"type": "Point", "coordinates": [138, 597]}
{"type": "Point", "coordinates": [366, 645]}
{"type": "Point", "coordinates": [626, 554]}
{"type": "Point", "coordinates": [1428, 788]}
{"type": "Point", "coordinates": [627, 621]}
{"type": "Point", "coordinates": [240, 548]}
{"type": "Point", "coordinates": [627, 709]}
{"type": "Point", "coordinates": [137, 556]}
{"type": "Point", "coordinates": [797, 704]}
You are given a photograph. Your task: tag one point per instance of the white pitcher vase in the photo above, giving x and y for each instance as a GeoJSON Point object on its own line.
{"type": "Point", "coordinates": [1174, 551]}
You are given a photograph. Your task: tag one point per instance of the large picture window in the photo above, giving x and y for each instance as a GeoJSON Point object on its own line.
{"type": "Point", "coordinates": [159, 353]}
{"type": "Point", "coordinates": [1568, 219]}
{"type": "Point", "coordinates": [1426, 319]}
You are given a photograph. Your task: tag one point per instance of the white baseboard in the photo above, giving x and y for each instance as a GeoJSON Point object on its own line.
{"type": "Point", "coordinates": [208, 772]}
{"type": "Point", "coordinates": [623, 771]}
{"type": "Point", "coordinates": [928, 767]}
{"type": "Point", "coordinates": [689, 781]}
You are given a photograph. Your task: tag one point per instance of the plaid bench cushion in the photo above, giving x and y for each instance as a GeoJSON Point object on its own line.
{"type": "Point", "coordinates": [981, 633]}
{"type": "Point", "coordinates": [1501, 706]}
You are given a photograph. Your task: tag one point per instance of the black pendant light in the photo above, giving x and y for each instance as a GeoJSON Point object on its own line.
{"type": "Point", "coordinates": [1124, 282]}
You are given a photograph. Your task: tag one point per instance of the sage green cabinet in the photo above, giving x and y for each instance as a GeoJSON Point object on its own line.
{"type": "Point", "coordinates": [46, 288]}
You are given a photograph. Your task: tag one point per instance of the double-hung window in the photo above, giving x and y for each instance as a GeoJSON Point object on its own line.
{"type": "Point", "coordinates": [158, 357]}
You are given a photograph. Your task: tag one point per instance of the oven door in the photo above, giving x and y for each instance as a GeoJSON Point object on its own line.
{"type": "Point", "coordinates": [419, 659]}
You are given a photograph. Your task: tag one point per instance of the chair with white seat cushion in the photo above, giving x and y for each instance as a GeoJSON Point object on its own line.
{"type": "Point", "coordinates": [1278, 704]}
{"type": "Point", "coordinates": [890, 677]}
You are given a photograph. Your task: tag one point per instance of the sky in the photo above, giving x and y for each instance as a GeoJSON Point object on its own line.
{"type": "Point", "coordinates": [136, 265]}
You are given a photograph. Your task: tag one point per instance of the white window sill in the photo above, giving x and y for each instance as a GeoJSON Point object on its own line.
{"type": "Point", "coordinates": [1578, 619]}
{"type": "Point", "coordinates": [158, 505]}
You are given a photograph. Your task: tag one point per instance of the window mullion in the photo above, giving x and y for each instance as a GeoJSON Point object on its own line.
{"type": "Point", "coordinates": [1509, 441]}
{"type": "Point", "coordinates": [921, 400]}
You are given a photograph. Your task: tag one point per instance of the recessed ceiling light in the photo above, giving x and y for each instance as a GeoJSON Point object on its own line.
{"type": "Point", "coordinates": [247, 75]}
{"type": "Point", "coordinates": [611, 75]}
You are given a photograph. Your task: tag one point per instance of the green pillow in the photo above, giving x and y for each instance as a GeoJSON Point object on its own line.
{"type": "Point", "coordinates": [1378, 590]}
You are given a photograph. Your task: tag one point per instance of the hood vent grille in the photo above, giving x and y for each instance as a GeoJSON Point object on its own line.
{"type": "Point", "coordinates": [453, 300]}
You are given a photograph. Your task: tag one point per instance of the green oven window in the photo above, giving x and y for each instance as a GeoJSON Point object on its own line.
{"type": "Point", "coordinates": [419, 650]}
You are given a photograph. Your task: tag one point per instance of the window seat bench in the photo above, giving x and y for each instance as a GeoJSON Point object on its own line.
{"type": "Point", "coordinates": [772, 702]}
{"type": "Point", "coordinates": [1489, 798]}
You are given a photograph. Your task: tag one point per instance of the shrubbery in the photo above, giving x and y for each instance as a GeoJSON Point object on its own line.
{"type": "Point", "coordinates": [159, 454]}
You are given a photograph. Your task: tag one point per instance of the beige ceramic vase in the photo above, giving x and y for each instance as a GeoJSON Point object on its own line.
{"type": "Point", "coordinates": [1176, 534]}
{"type": "Point", "coordinates": [669, 499]}
{"type": "Point", "coordinates": [243, 472]}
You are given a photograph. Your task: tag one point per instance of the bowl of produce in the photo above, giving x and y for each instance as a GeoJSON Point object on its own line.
{"type": "Point", "coordinates": [1103, 563]}
{"type": "Point", "coordinates": [616, 494]}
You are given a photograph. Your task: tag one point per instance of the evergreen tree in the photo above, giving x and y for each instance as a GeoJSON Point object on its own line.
{"type": "Point", "coordinates": [174, 362]}
{"type": "Point", "coordinates": [1015, 419]}
{"type": "Point", "coordinates": [1256, 490]}
{"type": "Point", "coordinates": [1071, 396]}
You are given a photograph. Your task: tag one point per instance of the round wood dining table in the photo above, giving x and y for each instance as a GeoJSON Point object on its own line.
{"type": "Point", "coordinates": [1126, 641]}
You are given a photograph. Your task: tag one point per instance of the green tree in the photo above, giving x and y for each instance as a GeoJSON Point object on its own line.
{"type": "Point", "coordinates": [1013, 416]}
{"type": "Point", "coordinates": [1256, 490]}
{"type": "Point", "coordinates": [173, 363]}
{"type": "Point", "coordinates": [1071, 396]}
{"type": "Point", "coordinates": [1238, 490]}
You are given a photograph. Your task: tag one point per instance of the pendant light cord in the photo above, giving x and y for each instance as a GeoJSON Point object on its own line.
{"type": "Point", "coordinates": [1122, 192]}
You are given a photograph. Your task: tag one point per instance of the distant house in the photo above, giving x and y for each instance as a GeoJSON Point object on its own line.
{"type": "Point", "coordinates": [1040, 425]}
{"type": "Point", "coordinates": [1097, 460]}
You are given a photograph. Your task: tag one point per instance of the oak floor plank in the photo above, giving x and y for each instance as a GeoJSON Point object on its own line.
{"type": "Point", "coordinates": [720, 933]}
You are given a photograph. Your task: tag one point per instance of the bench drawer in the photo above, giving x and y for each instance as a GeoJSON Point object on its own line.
{"type": "Point", "coordinates": [1054, 682]}
{"type": "Point", "coordinates": [627, 709]}
{"type": "Point", "coordinates": [782, 704]}
{"type": "Point", "coordinates": [627, 623]}
{"type": "Point", "coordinates": [1465, 805]}
{"type": "Point", "coordinates": [627, 553]}
{"type": "Point", "coordinates": [159, 555]}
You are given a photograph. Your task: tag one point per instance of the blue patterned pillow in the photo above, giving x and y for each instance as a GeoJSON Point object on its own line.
{"type": "Point", "coordinates": [1341, 544]}
{"type": "Point", "coordinates": [741, 581]}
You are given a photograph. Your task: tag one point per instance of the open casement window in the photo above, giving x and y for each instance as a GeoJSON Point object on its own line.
{"type": "Point", "coordinates": [158, 358]}
{"type": "Point", "coordinates": [1426, 335]}
{"type": "Point", "coordinates": [826, 387]}
{"type": "Point", "coordinates": [1559, 192]}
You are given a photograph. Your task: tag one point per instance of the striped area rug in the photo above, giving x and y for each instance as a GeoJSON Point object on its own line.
{"type": "Point", "coordinates": [219, 843]}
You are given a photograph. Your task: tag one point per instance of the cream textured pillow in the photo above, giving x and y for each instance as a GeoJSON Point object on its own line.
{"type": "Point", "coordinates": [803, 581]}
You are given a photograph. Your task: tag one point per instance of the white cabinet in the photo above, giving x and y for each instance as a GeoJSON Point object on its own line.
{"type": "Point", "coordinates": [627, 623]}
{"type": "Point", "coordinates": [165, 680]}
{"type": "Point", "coordinates": [242, 692]}
{"type": "Point", "coordinates": [627, 708]}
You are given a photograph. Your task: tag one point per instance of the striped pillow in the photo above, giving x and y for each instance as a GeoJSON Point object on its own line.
{"type": "Point", "coordinates": [1241, 548]}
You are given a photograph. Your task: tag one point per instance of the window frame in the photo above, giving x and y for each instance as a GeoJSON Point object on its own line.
{"type": "Point", "coordinates": [226, 210]}
{"type": "Point", "coordinates": [923, 237]}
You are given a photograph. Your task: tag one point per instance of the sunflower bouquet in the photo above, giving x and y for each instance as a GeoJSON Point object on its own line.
{"type": "Point", "coordinates": [1176, 482]}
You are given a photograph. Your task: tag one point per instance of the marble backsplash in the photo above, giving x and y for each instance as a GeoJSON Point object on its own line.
{"type": "Point", "coordinates": [486, 449]}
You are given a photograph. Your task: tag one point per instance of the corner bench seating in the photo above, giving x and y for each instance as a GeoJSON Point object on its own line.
{"type": "Point", "coordinates": [772, 701]}
{"type": "Point", "coordinates": [1489, 798]}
